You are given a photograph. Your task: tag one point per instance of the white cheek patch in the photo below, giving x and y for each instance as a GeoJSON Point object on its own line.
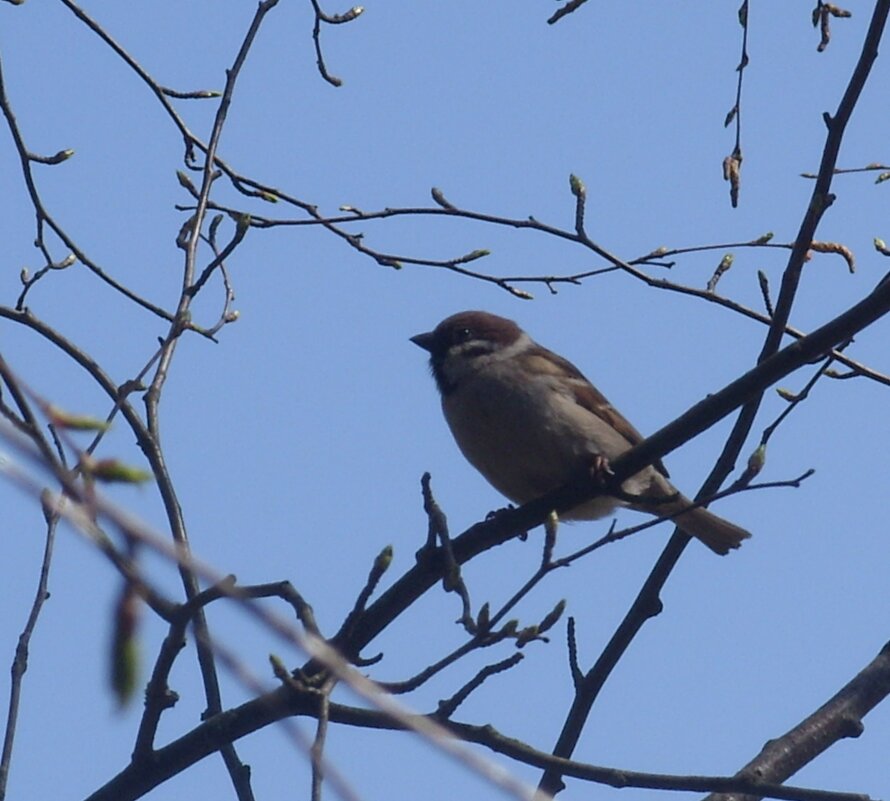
{"type": "Point", "coordinates": [522, 344]}
{"type": "Point", "coordinates": [477, 354]}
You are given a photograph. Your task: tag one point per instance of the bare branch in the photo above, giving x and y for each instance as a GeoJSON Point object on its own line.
{"type": "Point", "coordinates": [20, 662]}
{"type": "Point", "coordinates": [840, 717]}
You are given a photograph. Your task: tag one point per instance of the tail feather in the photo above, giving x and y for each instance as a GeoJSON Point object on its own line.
{"type": "Point", "coordinates": [718, 534]}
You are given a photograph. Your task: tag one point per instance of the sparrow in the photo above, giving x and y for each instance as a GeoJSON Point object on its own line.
{"type": "Point", "coordinates": [529, 421]}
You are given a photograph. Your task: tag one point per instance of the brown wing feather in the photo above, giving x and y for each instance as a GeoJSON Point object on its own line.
{"type": "Point", "coordinates": [589, 397]}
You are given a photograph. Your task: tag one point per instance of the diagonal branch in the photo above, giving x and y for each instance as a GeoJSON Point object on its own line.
{"type": "Point", "coordinates": [838, 718]}
{"type": "Point", "coordinates": [647, 603]}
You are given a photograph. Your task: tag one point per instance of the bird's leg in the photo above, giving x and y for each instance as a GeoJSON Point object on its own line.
{"type": "Point", "coordinates": [600, 471]}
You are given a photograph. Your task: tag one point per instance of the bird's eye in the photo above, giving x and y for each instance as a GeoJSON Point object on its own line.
{"type": "Point", "coordinates": [463, 334]}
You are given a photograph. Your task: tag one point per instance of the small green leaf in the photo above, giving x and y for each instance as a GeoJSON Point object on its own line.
{"type": "Point", "coordinates": [186, 183]}
{"type": "Point", "coordinates": [577, 187]}
{"type": "Point", "coordinates": [440, 199]}
{"type": "Point", "coordinates": [756, 460]}
{"type": "Point", "coordinates": [383, 560]}
{"type": "Point", "coordinates": [124, 672]}
{"type": "Point", "coordinates": [554, 615]}
{"type": "Point", "coordinates": [75, 422]}
{"type": "Point", "coordinates": [114, 471]}
{"type": "Point", "coordinates": [526, 636]}
{"type": "Point", "coordinates": [520, 293]}
{"type": "Point", "coordinates": [62, 155]}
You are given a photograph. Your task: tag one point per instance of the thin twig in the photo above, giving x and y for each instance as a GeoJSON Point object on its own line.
{"type": "Point", "coordinates": [20, 662]}
{"type": "Point", "coordinates": [316, 751]}
{"type": "Point", "coordinates": [570, 7]}
{"type": "Point", "coordinates": [733, 163]}
{"type": "Point", "coordinates": [448, 707]}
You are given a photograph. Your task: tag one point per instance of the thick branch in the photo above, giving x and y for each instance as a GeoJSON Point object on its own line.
{"type": "Point", "coordinates": [137, 779]}
{"type": "Point", "coordinates": [840, 717]}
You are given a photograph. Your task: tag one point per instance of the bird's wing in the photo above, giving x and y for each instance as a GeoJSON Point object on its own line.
{"type": "Point", "coordinates": [589, 397]}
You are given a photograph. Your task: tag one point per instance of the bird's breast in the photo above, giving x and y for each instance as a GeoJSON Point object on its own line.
{"type": "Point", "coordinates": [526, 438]}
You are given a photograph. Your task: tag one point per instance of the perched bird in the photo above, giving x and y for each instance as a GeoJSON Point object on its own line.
{"type": "Point", "coordinates": [529, 421]}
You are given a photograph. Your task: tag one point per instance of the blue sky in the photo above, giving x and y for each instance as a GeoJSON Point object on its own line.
{"type": "Point", "coordinates": [297, 443]}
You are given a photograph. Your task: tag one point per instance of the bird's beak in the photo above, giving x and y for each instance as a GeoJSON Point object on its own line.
{"type": "Point", "coordinates": [424, 341]}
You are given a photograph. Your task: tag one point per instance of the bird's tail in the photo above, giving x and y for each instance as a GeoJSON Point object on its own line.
{"type": "Point", "coordinates": [718, 534]}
